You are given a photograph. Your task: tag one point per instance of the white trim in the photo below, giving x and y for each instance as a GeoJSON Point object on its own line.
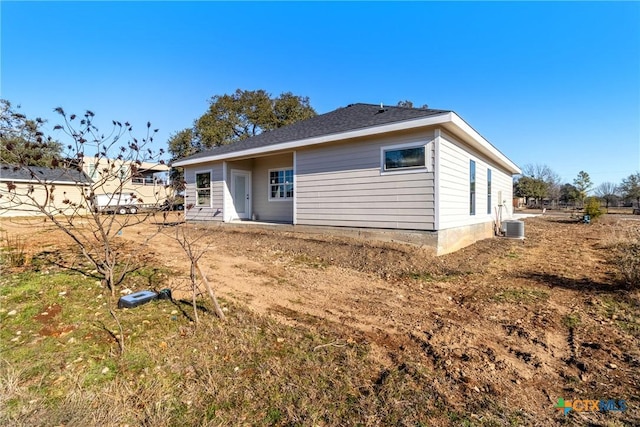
{"type": "Point", "coordinates": [489, 194]}
{"type": "Point", "coordinates": [412, 169]}
{"type": "Point", "coordinates": [195, 175]}
{"type": "Point", "coordinates": [225, 194]}
{"type": "Point", "coordinates": [451, 121]}
{"type": "Point", "coordinates": [295, 186]}
{"type": "Point", "coordinates": [280, 199]}
{"type": "Point", "coordinates": [375, 130]}
{"type": "Point", "coordinates": [483, 145]}
{"type": "Point", "coordinates": [473, 205]}
{"type": "Point", "coordinates": [436, 178]}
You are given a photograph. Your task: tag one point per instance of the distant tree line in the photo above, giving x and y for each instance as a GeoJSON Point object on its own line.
{"type": "Point", "coordinates": [539, 184]}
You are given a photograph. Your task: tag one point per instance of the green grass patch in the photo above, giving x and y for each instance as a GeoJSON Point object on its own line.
{"type": "Point", "coordinates": [64, 368]}
{"type": "Point", "coordinates": [249, 368]}
{"type": "Point", "coordinates": [422, 276]}
{"type": "Point", "coordinates": [572, 320]}
{"type": "Point", "coordinates": [313, 262]}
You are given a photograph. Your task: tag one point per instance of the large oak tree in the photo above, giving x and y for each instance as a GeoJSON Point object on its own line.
{"type": "Point", "coordinates": [240, 115]}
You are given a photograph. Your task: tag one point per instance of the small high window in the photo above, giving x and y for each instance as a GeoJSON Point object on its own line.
{"type": "Point", "coordinates": [404, 158]}
{"type": "Point", "coordinates": [280, 184]}
{"type": "Point", "coordinates": [203, 189]}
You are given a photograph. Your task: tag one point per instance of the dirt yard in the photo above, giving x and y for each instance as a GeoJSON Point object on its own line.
{"type": "Point", "coordinates": [517, 323]}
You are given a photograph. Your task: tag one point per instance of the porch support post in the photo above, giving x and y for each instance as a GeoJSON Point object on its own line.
{"type": "Point", "coordinates": [436, 178]}
{"type": "Point", "coordinates": [295, 190]}
{"type": "Point", "coordinates": [225, 193]}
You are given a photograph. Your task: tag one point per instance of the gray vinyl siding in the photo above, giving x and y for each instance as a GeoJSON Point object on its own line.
{"type": "Point", "coordinates": [342, 185]}
{"type": "Point", "coordinates": [203, 213]}
{"type": "Point", "coordinates": [454, 188]}
{"type": "Point", "coordinates": [274, 210]}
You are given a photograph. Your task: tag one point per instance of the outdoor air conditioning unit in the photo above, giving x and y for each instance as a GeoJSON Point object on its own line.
{"type": "Point", "coordinates": [513, 229]}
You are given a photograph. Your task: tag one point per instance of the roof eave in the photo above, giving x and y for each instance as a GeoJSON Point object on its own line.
{"type": "Point", "coordinates": [447, 119]}
{"type": "Point", "coordinates": [290, 145]}
{"type": "Point", "coordinates": [44, 181]}
{"type": "Point", "coordinates": [478, 142]}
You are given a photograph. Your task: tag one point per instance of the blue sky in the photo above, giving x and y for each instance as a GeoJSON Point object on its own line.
{"type": "Point", "coordinates": [549, 83]}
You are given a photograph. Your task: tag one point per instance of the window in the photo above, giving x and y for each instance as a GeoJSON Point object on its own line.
{"type": "Point", "coordinates": [280, 184]}
{"type": "Point", "coordinates": [403, 158]}
{"type": "Point", "coordinates": [472, 187]}
{"type": "Point", "coordinates": [489, 191]}
{"type": "Point", "coordinates": [203, 189]}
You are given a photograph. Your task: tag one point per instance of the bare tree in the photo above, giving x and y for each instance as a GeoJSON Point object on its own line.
{"type": "Point", "coordinates": [607, 191]}
{"type": "Point", "coordinates": [195, 243]}
{"type": "Point", "coordinates": [547, 175]}
{"type": "Point", "coordinates": [93, 166]}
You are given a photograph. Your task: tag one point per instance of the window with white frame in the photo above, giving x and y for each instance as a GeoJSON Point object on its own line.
{"type": "Point", "coordinates": [401, 158]}
{"type": "Point", "coordinates": [472, 187]}
{"type": "Point", "coordinates": [280, 184]}
{"type": "Point", "coordinates": [489, 191]}
{"type": "Point", "coordinates": [203, 189]}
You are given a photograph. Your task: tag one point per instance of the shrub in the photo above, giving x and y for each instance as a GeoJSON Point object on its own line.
{"type": "Point", "coordinates": [628, 264]}
{"type": "Point", "coordinates": [592, 207]}
{"type": "Point", "coordinates": [14, 251]}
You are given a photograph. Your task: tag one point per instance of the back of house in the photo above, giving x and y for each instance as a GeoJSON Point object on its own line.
{"type": "Point", "coordinates": [362, 166]}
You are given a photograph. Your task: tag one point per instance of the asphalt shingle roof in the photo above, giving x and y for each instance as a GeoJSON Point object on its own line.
{"type": "Point", "coordinates": [351, 117]}
{"type": "Point", "coordinates": [18, 173]}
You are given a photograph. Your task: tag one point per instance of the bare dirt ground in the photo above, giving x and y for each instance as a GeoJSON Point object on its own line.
{"type": "Point", "coordinates": [517, 323]}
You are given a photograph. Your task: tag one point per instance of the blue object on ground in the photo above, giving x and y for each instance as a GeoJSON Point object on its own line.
{"type": "Point", "coordinates": [136, 299]}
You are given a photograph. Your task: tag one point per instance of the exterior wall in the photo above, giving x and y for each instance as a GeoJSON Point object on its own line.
{"type": "Point", "coordinates": [204, 213]}
{"type": "Point", "coordinates": [16, 203]}
{"type": "Point", "coordinates": [454, 188]}
{"type": "Point", "coordinates": [146, 193]}
{"type": "Point", "coordinates": [264, 209]}
{"type": "Point", "coordinates": [342, 185]}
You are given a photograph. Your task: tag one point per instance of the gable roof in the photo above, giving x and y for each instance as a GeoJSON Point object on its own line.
{"type": "Point", "coordinates": [355, 120]}
{"type": "Point", "coordinates": [42, 174]}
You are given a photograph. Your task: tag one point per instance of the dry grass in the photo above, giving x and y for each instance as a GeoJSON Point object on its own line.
{"type": "Point", "coordinates": [491, 335]}
{"type": "Point", "coordinates": [625, 255]}
{"type": "Point", "coordinates": [250, 370]}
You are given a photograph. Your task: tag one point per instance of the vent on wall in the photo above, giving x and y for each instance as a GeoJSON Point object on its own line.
{"type": "Point", "coordinates": [513, 229]}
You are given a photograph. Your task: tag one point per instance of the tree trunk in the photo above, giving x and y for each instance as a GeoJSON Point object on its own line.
{"type": "Point", "coordinates": [211, 294]}
{"type": "Point", "coordinates": [194, 287]}
{"type": "Point", "coordinates": [120, 340]}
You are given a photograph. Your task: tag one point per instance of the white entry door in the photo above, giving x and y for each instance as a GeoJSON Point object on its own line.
{"type": "Point", "coordinates": [241, 193]}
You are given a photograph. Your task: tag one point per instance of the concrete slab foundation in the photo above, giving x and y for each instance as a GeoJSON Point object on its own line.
{"type": "Point", "coordinates": [439, 242]}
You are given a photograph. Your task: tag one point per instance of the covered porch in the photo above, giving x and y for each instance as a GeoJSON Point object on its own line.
{"type": "Point", "coordinates": [259, 189]}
